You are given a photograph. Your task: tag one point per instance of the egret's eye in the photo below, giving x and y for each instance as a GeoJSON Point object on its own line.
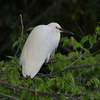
{"type": "Point", "coordinates": [57, 27]}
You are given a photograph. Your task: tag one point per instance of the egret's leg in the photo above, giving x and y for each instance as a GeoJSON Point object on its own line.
{"type": "Point", "coordinates": [27, 76]}
{"type": "Point", "coordinates": [35, 83]}
{"type": "Point", "coordinates": [35, 88]}
{"type": "Point", "coordinates": [51, 68]}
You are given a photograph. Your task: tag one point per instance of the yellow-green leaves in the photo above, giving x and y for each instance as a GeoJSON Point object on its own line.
{"type": "Point", "coordinates": [89, 38]}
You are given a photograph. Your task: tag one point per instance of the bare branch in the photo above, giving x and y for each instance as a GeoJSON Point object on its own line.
{"type": "Point", "coordinates": [21, 35]}
{"type": "Point", "coordinates": [80, 29]}
{"type": "Point", "coordinates": [94, 3]}
{"type": "Point", "coordinates": [22, 24]}
{"type": "Point", "coordinates": [7, 96]}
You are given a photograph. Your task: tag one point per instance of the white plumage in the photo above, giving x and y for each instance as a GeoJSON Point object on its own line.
{"type": "Point", "coordinates": [40, 44]}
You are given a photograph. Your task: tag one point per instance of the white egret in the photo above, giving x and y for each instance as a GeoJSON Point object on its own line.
{"type": "Point", "coordinates": [39, 46]}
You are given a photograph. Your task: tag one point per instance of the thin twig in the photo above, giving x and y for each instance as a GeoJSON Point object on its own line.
{"type": "Point", "coordinates": [65, 69]}
{"type": "Point", "coordinates": [78, 58]}
{"type": "Point", "coordinates": [52, 61]}
{"type": "Point", "coordinates": [80, 29]}
{"type": "Point", "coordinates": [94, 3]}
{"type": "Point", "coordinates": [22, 24]}
{"type": "Point", "coordinates": [21, 35]}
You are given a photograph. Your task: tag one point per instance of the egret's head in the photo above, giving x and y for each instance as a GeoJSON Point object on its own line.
{"type": "Point", "coordinates": [55, 27]}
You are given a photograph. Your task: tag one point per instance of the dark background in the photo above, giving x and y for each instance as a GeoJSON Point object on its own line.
{"type": "Point", "coordinates": [78, 16]}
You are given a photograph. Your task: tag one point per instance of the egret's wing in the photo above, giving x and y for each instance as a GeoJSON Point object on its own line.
{"type": "Point", "coordinates": [36, 50]}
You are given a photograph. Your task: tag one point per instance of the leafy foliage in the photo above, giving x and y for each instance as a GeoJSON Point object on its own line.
{"type": "Point", "coordinates": [72, 76]}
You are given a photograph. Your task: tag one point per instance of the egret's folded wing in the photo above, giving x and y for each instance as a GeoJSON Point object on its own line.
{"type": "Point", "coordinates": [36, 50]}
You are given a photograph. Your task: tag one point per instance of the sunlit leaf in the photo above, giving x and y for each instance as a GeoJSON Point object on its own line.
{"type": "Point", "coordinates": [64, 41]}
{"type": "Point", "coordinates": [92, 40]}
{"type": "Point", "coordinates": [9, 56]}
{"type": "Point", "coordinates": [84, 39]}
{"type": "Point", "coordinates": [29, 29]}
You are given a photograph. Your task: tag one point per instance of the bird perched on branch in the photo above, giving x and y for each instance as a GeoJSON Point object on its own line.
{"type": "Point", "coordinates": [39, 46]}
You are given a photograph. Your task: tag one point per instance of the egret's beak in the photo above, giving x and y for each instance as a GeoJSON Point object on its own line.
{"type": "Point", "coordinates": [66, 31]}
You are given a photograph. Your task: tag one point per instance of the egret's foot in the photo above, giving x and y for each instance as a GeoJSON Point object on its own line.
{"type": "Point", "coordinates": [27, 76]}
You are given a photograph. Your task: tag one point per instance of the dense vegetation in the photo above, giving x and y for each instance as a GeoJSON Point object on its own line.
{"type": "Point", "coordinates": [74, 72]}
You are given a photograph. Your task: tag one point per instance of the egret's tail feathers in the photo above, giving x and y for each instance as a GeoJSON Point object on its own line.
{"type": "Point", "coordinates": [31, 68]}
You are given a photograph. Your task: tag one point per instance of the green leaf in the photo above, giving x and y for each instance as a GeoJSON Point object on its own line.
{"type": "Point", "coordinates": [15, 44]}
{"type": "Point", "coordinates": [72, 41]}
{"type": "Point", "coordinates": [24, 94]}
{"type": "Point", "coordinates": [2, 63]}
{"type": "Point", "coordinates": [72, 54]}
{"type": "Point", "coordinates": [64, 41]}
{"type": "Point", "coordinates": [92, 40]}
{"type": "Point", "coordinates": [84, 39]}
{"type": "Point", "coordinates": [95, 81]}
{"type": "Point", "coordinates": [9, 57]}
{"type": "Point", "coordinates": [97, 30]}
{"type": "Point", "coordinates": [39, 79]}
{"type": "Point", "coordinates": [59, 65]}
{"type": "Point", "coordinates": [78, 45]}
{"type": "Point", "coordinates": [62, 97]}
{"type": "Point", "coordinates": [71, 78]}
{"type": "Point", "coordinates": [75, 91]}
{"type": "Point", "coordinates": [41, 87]}
{"type": "Point", "coordinates": [51, 82]}
{"type": "Point", "coordinates": [29, 29]}
{"type": "Point", "coordinates": [60, 56]}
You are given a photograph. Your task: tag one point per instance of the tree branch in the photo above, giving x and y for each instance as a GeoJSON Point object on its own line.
{"type": "Point", "coordinates": [21, 35]}
{"type": "Point", "coordinates": [38, 92]}
{"type": "Point", "coordinates": [33, 91]}
{"type": "Point", "coordinates": [7, 96]}
{"type": "Point", "coordinates": [79, 66]}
